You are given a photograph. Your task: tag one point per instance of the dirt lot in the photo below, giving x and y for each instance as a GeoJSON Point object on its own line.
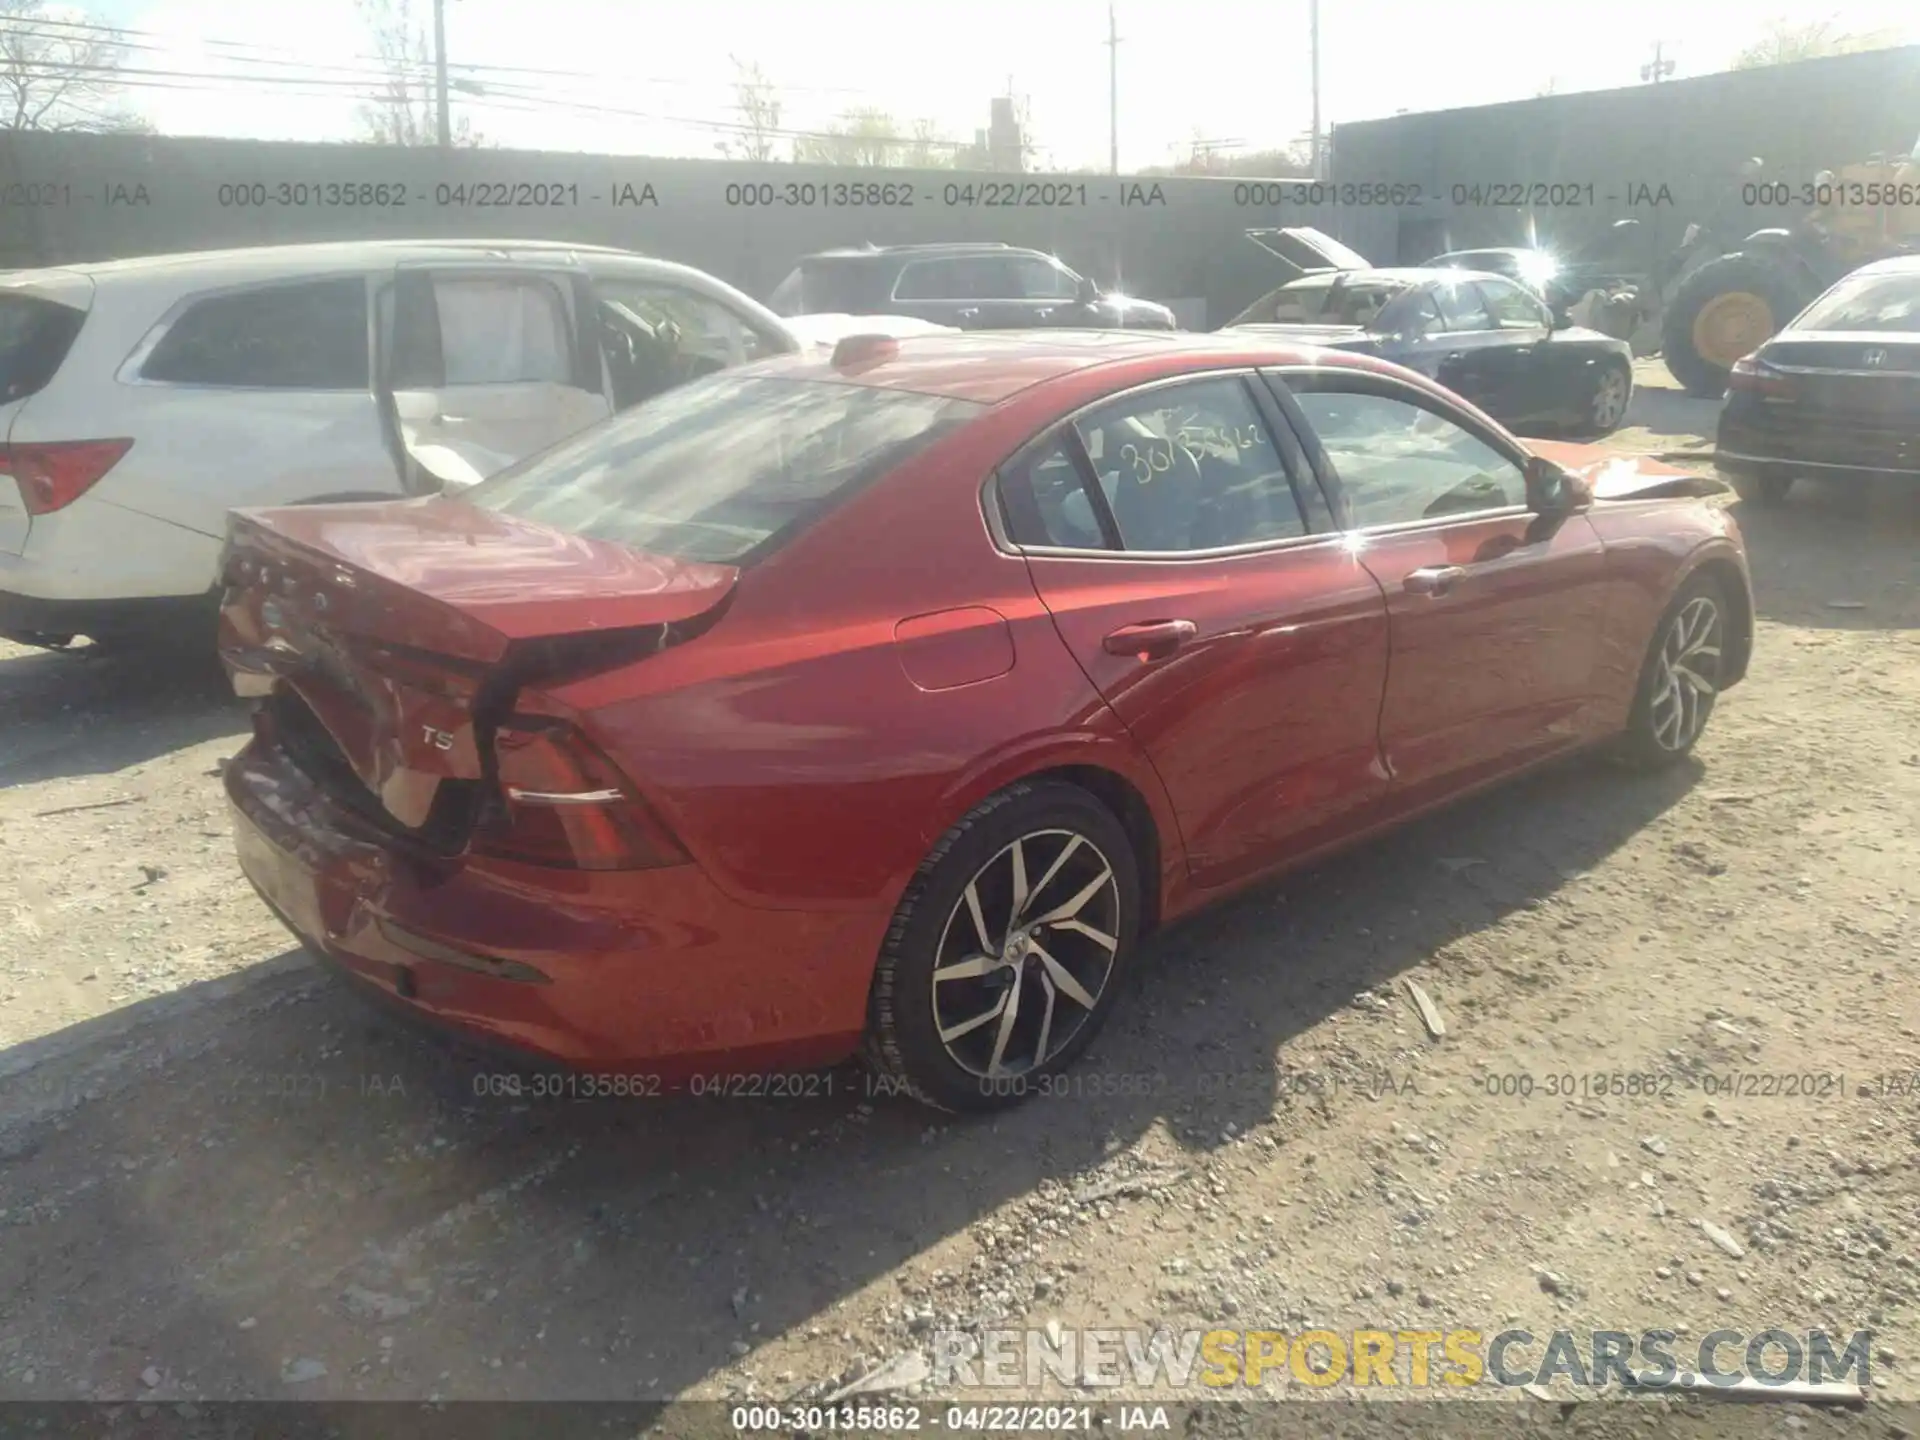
{"type": "Point", "coordinates": [220, 1177]}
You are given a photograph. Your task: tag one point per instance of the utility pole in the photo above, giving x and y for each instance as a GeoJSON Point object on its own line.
{"type": "Point", "coordinates": [1313, 44]}
{"type": "Point", "coordinates": [1659, 69]}
{"type": "Point", "coordinates": [1113, 87]}
{"type": "Point", "coordinates": [440, 74]}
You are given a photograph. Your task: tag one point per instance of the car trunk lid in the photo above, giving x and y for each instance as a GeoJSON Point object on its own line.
{"type": "Point", "coordinates": [393, 637]}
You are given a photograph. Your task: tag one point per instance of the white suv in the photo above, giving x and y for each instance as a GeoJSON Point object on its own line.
{"type": "Point", "coordinates": [141, 400]}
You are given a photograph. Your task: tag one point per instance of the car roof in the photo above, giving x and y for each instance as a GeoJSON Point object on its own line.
{"type": "Point", "coordinates": [1893, 265]}
{"type": "Point", "coordinates": [1404, 275]}
{"type": "Point", "coordinates": [987, 367]}
{"type": "Point", "coordinates": [930, 251]}
{"type": "Point", "coordinates": [268, 261]}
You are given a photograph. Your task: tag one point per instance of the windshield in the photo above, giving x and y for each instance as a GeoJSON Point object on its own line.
{"type": "Point", "coordinates": [1867, 302]}
{"type": "Point", "coordinates": [1334, 300]}
{"type": "Point", "coordinates": [722, 469]}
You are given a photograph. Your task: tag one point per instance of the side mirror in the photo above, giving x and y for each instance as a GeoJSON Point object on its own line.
{"type": "Point", "coordinates": [1089, 292]}
{"type": "Point", "coordinates": [1553, 491]}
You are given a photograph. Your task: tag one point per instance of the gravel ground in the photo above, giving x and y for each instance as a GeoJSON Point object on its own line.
{"type": "Point", "coordinates": [220, 1177]}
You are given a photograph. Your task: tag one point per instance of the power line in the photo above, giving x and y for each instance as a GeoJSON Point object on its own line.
{"type": "Point", "coordinates": [259, 52]}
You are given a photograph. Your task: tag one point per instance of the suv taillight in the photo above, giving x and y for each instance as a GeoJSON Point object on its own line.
{"type": "Point", "coordinates": [53, 476]}
{"type": "Point", "coordinates": [564, 803]}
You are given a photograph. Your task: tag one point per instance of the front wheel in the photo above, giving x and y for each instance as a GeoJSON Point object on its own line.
{"type": "Point", "coordinates": [1007, 950]}
{"type": "Point", "coordinates": [1607, 405]}
{"type": "Point", "coordinates": [1726, 309]}
{"type": "Point", "coordinates": [1680, 679]}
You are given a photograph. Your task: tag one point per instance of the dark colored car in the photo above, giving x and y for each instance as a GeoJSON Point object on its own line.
{"type": "Point", "coordinates": [1484, 337]}
{"type": "Point", "coordinates": [890, 697]}
{"type": "Point", "coordinates": [1835, 394]}
{"type": "Point", "coordinates": [970, 287]}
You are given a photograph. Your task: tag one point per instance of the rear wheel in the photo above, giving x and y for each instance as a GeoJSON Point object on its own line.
{"type": "Point", "coordinates": [1727, 308]}
{"type": "Point", "coordinates": [1007, 950]}
{"type": "Point", "coordinates": [1680, 679]}
{"type": "Point", "coordinates": [1765, 487]}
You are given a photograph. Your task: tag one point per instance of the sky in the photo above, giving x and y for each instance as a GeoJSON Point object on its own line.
{"type": "Point", "coordinates": [625, 76]}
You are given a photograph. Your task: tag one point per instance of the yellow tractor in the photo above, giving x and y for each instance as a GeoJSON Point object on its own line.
{"type": "Point", "coordinates": [1727, 306]}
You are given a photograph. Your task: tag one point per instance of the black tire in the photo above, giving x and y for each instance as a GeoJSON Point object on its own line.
{"type": "Point", "coordinates": [1594, 422]}
{"type": "Point", "coordinates": [1763, 487]}
{"type": "Point", "coordinates": [1754, 273]}
{"type": "Point", "coordinates": [904, 1046]}
{"type": "Point", "coordinates": [1646, 745]}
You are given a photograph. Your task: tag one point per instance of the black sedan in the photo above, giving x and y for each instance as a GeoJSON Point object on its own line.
{"type": "Point", "coordinates": [1482, 336]}
{"type": "Point", "coordinates": [1836, 393]}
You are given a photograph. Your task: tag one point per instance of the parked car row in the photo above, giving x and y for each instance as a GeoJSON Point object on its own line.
{"type": "Point", "coordinates": [142, 400]}
{"type": "Point", "coordinates": [645, 680]}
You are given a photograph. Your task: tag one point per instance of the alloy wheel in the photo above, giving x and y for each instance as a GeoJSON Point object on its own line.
{"type": "Point", "coordinates": [1687, 674]}
{"type": "Point", "coordinates": [1609, 400]}
{"type": "Point", "coordinates": [1026, 954]}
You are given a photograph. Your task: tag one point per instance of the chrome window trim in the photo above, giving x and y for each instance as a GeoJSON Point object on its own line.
{"type": "Point", "coordinates": [1246, 374]}
{"type": "Point", "coordinates": [129, 369]}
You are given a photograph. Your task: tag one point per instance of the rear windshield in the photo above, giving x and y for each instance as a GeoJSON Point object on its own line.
{"type": "Point", "coordinates": [35, 335]}
{"type": "Point", "coordinates": [722, 469]}
{"type": "Point", "coordinates": [1867, 302]}
{"type": "Point", "coordinates": [1334, 300]}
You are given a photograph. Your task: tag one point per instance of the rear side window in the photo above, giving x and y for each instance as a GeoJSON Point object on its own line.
{"type": "Point", "coordinates": [309, 336]}
{"type": "Point", "coordinates": [722, 469]}
{"type": "Point", "coordinates": [35, 335]}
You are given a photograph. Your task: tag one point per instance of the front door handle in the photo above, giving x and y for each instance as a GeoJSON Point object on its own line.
{"type": "Point", "coordinates": [1434, 579]}
{"type": "Point", "coordinates": [1151, 640]}
{"type": "Point", "coordinates": [971, 312]}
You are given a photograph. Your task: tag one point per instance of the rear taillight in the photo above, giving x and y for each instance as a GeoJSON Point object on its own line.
{"type": "Point", "coordinates": [53, 476]}
{"type": "Point", "coordinates": [564, 803]}
{"type": "Point", "coordinates": [1753, 376]}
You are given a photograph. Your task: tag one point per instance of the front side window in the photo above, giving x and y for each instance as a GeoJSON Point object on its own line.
{"type": "Point", "coordinates": [1399, 462]}
{"type": "Point", "coordinates": [724, 468]}
{"type": "Point", "coordinates": [1043, 280]}
{"type": "Point", "coordinates": [1511, 307]}
{"type": "Point", "coordinates": [307, 336]}
{"type": "Point", "coordinates": [657, 336]}
{"type": "Point", "coordinates": [1461, 309]}
{"type": "Point", "coordinates": [502, 330]}
{"type": "Point", "coordinates": [1188, 467]}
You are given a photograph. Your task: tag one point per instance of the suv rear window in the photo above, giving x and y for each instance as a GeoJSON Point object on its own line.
{"type": "Point", "coordinates": [35, 335]}
{"type": "Point", "coordinates": [723, 469]}
{"type": "Point", "coordinates": [306, 336]}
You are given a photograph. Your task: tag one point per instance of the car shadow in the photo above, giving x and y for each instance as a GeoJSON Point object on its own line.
{"type": "Point", "coordinates": [88, 712]}
{"type": "Point", "coordinates": [270, 1173]}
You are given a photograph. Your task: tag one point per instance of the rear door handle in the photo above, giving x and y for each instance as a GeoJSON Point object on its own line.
{"type": "Point", "coordinates": [1434, 579]}
{"type": "Point", "coordinates": [971, 312]}
{"type": "Point", "coordinates": [1152, 639]}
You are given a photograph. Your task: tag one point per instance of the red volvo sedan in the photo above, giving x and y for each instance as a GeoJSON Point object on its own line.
{"type": "Point", "coordinates": [886, 699]}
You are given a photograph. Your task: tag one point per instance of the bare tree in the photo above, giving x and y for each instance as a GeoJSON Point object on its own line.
{"type": "Point", "coordinates": [1786, 42]}
{"type": "Point", "coordinates": [862, 136]}
{"type": "Point", "coordinates": [405, 113]}
{"type": "Point", "coordinates": [758, 102]}
{"type": "Point", "coordinates": [59, 72]}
